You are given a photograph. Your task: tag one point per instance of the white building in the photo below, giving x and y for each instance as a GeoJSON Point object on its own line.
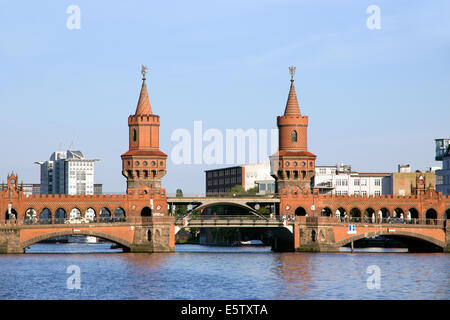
{"type": "Point", "coordinates": [341, 180]}
{"type": "Point", "coordinates": [67, 172]}
{"type": "Point", "coordinates": [254, 172]}
{"type": "Point", "coordinates": [443, 176]}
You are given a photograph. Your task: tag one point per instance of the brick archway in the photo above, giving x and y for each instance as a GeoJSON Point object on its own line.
{"type": "Point", "coordinates": [94, 233]}
{"type": "Point", "coordinates": [406, 234]}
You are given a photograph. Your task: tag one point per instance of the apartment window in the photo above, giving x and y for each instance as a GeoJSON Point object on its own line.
{"type": "Point", "coordinates": [378, 193]}
{"type": "Point", "coordinates": [338, 182]}
{"type": "Point", "coordinates": [344, 182]}
{"type": "Point", "coordinates": [338, 193]}
{"type": "Point", "coordinates": [364, 182]}
{"type": "Point", "coordinates": [364, 193]}
{"type": "Point", "coordinates": [323, 171]}
{"type": "Point", "coordinates": [356, 182]}
{"type": "Point", "coordinates": [378, 182]}
{"type": "Point", "coordinates": [344, 193]}
{"type": "Point", "coordinates": [356, 193]}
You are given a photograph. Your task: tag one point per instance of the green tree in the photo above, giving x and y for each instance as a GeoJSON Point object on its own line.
{"type": "Point", "coordinates": [180, 210]}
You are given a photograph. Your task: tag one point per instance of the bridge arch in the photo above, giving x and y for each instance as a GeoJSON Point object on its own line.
{"type": "Point", "coordinates": [146, 212]}
{"type": "Point", "coordinates": [368, 212]}
{"type": "Point", "coordinates": [45, 217]}
{"type": "Point", "coordinates": [414, 213]}
{"type": "Point", "coordinates": [447, 214]}
{"type": "Point", "coordinates": [355, 213]}
{"type": "Point", "coordinates": [98, 234]}
{"type": "Point", "coordinates": [9, 216]}
{"type": "Point", "coordinates": [431, 215]}
{"type": "Point", "coordinates": [326, 212]}
{"type": "Point", "coordinates": [398, 234]}
{"type": "Point", "coordinates": [60, 215]}
{"type": "Point", "coordinates": [300, 211]}
{"type": "Point", "coordinates": [225, 203]}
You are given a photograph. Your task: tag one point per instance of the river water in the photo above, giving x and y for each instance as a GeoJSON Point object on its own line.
{"type": "Point", "coordinates": [206, 272]}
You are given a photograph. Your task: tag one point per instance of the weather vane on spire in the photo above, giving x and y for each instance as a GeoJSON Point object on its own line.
{"type": "Point", "coordinates": [292, 72]}
{"type": "Point", "coordinates": [143, 71]}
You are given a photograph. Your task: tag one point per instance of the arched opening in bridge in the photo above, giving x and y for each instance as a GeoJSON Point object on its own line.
{"type": "Point", "coordinates": [431, 216]}
{"type": "Point", "coordinates": [355, 213]}
{"type": "Point", "coordinates": [392, 243]}
{"type": "Point", "coordinates": [70, 243]}
{"type": "Point", "coordinates": [385, 213]}
{"type": "Point", "coordinates": [447, 214]}
{"type": "Point", "coordinates": [119, 214]}
{"type": "Point", "coordinates": [300, 211]}
{"type": "Point", "coordinates": [60, 216]}
{"type": "Point", "coordinates": [149, 235]}
{"type": "Point", "coordinates": [105, 215]}
{"type": "Point", "coordinates": [11, 215]}
{"type": "Point", "coordinates": [369, 214]}
{"type": "Point", "coordinates": [45, 217]}
{"type": "Point", "coordinates": [146, 212]}
{"type": "Point", "coordinates": [326, 212]}
{"type": "Point", "coordinates": [414, 215]}
{"type": "Point", "coordinates": [75, 214]}
{"type": "Point", "coordinates": [90, 215]}
{"type": "Point", "coordinates": [30, 216]}
{"type": "Point", "coordinates": [341, 213]}
{"type": "Point", "coordinates": [398, 213]}
{"type": "Point", "coordinates": [226, 209]}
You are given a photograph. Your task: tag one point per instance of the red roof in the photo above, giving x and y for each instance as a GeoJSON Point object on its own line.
{"type": "Point", "coordinates": [294, 154]}
{"type": "Point", "coordinates": [145, 153]}
{"type": "Point", "coordinates": [143, 106]}
{"type": "Point", "coordinates": [292, 108]}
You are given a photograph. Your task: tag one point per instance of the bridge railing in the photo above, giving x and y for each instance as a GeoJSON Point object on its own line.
{"type": "Point", "coordinates": [367, 220]}
{"type": "Point", "coordinates": [222, 195]}
{"type": "Point", "coordinates": [232, 217]}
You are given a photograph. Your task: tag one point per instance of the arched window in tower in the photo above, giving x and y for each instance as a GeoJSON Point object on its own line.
{"type": "Point", "coordinates": [134, 135]}
{"type": "Point", "coordinates": [294, 136]}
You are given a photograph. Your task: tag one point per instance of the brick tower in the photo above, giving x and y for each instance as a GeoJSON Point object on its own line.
{"type": "Point", "coordinates": [292, 166]}
{"type": "Point", "coordinates": [143, 164]}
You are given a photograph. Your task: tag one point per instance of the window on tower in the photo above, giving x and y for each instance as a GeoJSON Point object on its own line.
{"type": "Point", "coordinates": [134, 134]}
{"type": "Point", "coordinates": [294, 136]}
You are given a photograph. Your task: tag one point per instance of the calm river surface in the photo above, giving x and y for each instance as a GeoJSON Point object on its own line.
{"type": "Point", "coordinates": [205, 272]}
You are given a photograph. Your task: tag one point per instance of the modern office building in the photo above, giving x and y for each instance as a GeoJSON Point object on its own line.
{"type": "Point", "coordinates": [223, 179]}
{"type": "Point", "coordinates": [67, 172]}
{"type": "Point", "coordinates": [443, 175]}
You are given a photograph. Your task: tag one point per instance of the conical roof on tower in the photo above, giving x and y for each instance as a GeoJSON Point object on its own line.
{"type": "Point", "coordinates": [143, 106]}
{"type": "Point", "coordinates": [292, 107]}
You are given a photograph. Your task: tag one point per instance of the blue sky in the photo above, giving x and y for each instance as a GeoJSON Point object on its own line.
{"type": "Point", "coordinates": [375, 98]}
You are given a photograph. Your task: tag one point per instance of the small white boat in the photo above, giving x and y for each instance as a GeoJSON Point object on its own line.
{"type": "Point", "coordinates": [90, 239]}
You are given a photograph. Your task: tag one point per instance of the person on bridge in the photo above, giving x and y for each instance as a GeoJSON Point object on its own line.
{"type": "Point", "coordinates": [401, 217]}
{"type": "Point", "coordinates": [408, 217]}
{"type": "Point", "coordinates": [338, 215]}
{"type": "Point", "coordinates": [373, 217]}
{"type": "Point", "coordinates": [380, 216]}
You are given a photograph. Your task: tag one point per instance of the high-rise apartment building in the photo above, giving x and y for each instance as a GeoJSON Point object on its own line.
{"type": "Point", "coordinates": [67, 172]}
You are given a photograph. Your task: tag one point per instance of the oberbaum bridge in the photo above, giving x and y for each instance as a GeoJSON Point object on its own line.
{"type": "Point", "coordinates": [301, 219]}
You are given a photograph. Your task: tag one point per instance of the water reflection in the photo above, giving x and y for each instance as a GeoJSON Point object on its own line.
{"type": "Point", "coordinates": [203, 272]}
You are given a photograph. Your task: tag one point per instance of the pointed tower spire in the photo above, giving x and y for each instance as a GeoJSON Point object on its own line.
{"type": "Point", "coordinates": [292, 108]}
{"type": "Point", "coordinates": [143, 106]}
